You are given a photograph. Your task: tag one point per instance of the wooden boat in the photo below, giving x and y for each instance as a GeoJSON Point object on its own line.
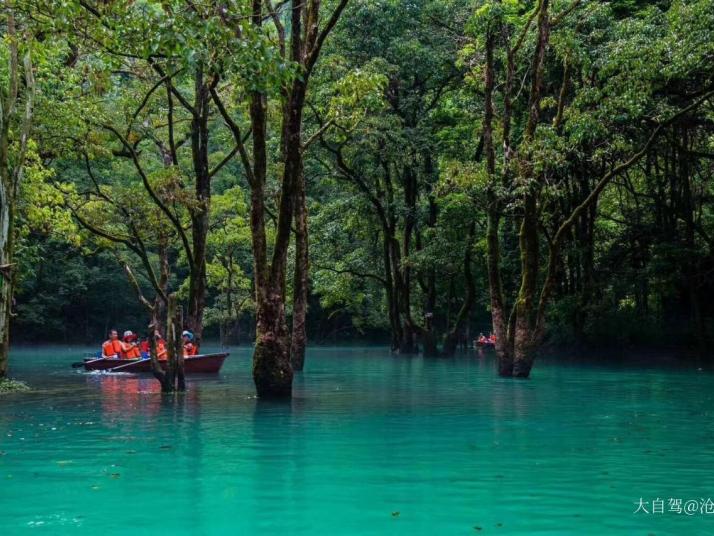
{"type": "Point", "coordinates": [197, 364]}
{"type": "Point", "coordinates": [485, 344]}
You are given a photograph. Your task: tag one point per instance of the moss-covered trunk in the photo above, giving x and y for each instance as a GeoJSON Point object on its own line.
{"type": "Point", "coordinates": [524, 316]}
{"type": "Point", "coordinates": [173, 378]}
{"type": "Point", "coordinates": [300, 283]}
{"type": "Point", "coordinates": [13, 141]}
{"type": "Point", "coordinates": [6, 274]}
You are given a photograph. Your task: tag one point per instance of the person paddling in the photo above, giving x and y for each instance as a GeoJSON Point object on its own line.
{"type": "Point", "coordinates": [112, 347]}
{"type": "Point", "coordinates": [189, 349]}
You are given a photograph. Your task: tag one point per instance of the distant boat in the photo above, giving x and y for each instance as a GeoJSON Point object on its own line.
{"type": "Point", "coordinates": [197, 364]}
{"type": "Point", "coordinates": [484, 344]}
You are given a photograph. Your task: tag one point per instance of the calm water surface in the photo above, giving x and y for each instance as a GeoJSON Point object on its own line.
{"type": "Point", "coordinates": [371, 444]}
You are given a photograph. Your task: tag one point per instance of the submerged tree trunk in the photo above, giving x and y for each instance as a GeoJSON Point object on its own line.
{"type": "Point", "coordinates": [300, 284]}
{"type": "Point", "coordinates": [11, 170]}
{"type": "Point", "coordinates": [272, 371]}
{"type": "Point", "coordinates": [392, 303]}
{"type": "Point", "coordinates": [6, 274]}
{"type": "Point", "coordinates": [493, 248]}
{"type": "Point", "coordinates": [200, 214]}
{"type": "Point", "coordinates": [524, 326]}
{"type": "Point", "coordinates": [454, 335]}
{"type": "Point", "coordinates": [173, 378]}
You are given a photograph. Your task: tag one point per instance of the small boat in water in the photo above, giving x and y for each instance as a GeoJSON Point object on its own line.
{"type": "Point", "coordinates": [485, 344]}
{"type": "Point", "coordinates": [195, 364]}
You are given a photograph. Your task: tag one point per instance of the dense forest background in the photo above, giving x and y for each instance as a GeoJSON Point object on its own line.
{"type": "Point", "coordinates": [405, 163]}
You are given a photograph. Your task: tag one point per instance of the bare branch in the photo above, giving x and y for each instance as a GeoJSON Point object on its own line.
{"type": "Point", "coordinates": [162, 206]}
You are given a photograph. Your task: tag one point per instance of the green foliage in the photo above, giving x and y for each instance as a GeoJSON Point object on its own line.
{"type": "Point", "coordinates": [398, 94]}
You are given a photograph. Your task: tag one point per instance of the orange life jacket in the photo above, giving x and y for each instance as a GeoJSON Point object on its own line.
{"type": "Point", "coordinates": [111, 348]}
{"type": "Point", "coordinates": [130, 351]}
{"type": "Point", "coordinates": [189, 349]}
{"type": "Point", "coordinates": [161, 350]}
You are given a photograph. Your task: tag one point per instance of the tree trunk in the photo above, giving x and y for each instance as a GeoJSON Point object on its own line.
{"type": "Point", "coordinates": [7, 225]}
{"type": "Point", "coordinates": [173, 378]}
{"type": "Point", "coordinates": [392, 296]}
{"type": "Point", "coordinates": [524, 326]}
{"type": "Point", "coordinates": [11, 170]}
{"type": "Point", "coordinates": [408, 344]}
{"type": "Point", "coordinates": [453, 337]}
{"type": "Point", "coordinates": [300, 285]}
{"type": "Point", "coordinates": [200, 214]}
{"type": "Point", "coordinates": [197, 283]}
{"type": "Point", "coordinates": [493, 251]}
{"type": "Point", "coordinates": [272, 371]}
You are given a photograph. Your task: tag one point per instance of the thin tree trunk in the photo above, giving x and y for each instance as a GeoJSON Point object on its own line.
{"type": "Point", "coordinates": [173, 378]}
{"type": "Point", "coordinates": [300, 284]}
{"type": "Point", "coordinates": [7, 225]}
{"type": "Point", "coordinates": [199, 215]}
{"type": "Point", "coordinates": [523, 335]}
{"type": "Point", "coordinates": [392, 295]}
{"type": "Point", "coordinates": [11, 177]}
{"type": "Point", "coordinates": [493, 252]}
{"type": "Point", "coordinates": [454, 335]}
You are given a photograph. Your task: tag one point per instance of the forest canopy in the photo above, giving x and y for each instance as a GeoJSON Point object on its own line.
{"type": "Point", "coordinates": [410, 173]}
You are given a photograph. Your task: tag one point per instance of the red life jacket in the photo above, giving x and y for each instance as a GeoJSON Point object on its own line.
{"type": "Point", "coordinates": [189, 349]}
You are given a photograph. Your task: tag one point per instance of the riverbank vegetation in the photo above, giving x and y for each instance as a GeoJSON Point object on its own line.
{"type": "Point", "coordinates": [12, 386]}
{"type": "Point", "coordinates": [410, 173]}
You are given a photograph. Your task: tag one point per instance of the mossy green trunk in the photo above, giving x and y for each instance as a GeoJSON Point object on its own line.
{"type": "Point", "coordinates": [6, 274]}
{"type": "Point", "coordinates": [300, 283]}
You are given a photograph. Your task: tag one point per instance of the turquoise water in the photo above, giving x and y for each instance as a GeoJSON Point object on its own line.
{"type": "Point", "coordinates": [371, 444]}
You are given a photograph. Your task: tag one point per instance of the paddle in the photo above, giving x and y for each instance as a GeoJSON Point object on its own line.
{"type": "Point", "coordinates": [78, 364]}
{"type": "Point", "coordinates": [123, 365]}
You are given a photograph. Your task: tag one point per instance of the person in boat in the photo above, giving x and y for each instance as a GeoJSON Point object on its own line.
{"type": "Point", "coordinates": [491, 338]}
{"type": "Point", "coordinates": [112, 347]}
{"type": "Point", "coordinates": [189, 348]}
{"type": "Point", "coordinates": [144, 347]}
{"type": "Point", "coordinates": [161, 352]}
{"type": "Point", "coordinates": [482, 339]}
{"type": "Point", "coordinates": [130, 348]}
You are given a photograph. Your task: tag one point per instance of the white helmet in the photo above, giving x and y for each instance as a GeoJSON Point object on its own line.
{"type": "Point", "coordinates": [128, 333]}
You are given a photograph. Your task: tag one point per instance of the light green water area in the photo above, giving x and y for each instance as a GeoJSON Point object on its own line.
{"type": "Point", "coordinates": [370, 444]}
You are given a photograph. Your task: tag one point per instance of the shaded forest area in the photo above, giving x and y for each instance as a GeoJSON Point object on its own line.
{"type": "Point", "coordinates": [410, 173]}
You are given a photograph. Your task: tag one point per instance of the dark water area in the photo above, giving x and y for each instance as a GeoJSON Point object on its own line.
{"type": "Point", "coordinates": [370, 444]}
